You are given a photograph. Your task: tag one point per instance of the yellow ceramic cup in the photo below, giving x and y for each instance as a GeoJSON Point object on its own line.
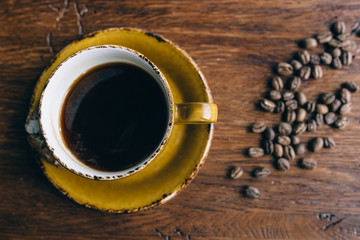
{"type": "Point", "coordinates": [60, 82]}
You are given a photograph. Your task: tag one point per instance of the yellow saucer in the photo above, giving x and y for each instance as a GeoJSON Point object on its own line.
{"type": "Point", "coordinates": [186, 150]}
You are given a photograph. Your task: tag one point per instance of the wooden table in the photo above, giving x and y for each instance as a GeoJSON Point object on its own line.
{"type": "Point", "coordinates": [236, 44]}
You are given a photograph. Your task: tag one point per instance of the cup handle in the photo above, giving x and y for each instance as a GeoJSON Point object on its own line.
{"type": "Point", "coordinates": [195, 113]}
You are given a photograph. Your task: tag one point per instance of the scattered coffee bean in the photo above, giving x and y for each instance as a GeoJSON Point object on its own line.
{"type": "Point", "coordinates": [289, 153]}
{"type": "Point", "coordinates": [256, 152]}
{"type": "Point", "coordinates": [343, 37]}
{"type": "Point", "coordinates": [280, 107]}
{"type": "Point", "coordinates": [324, 37]}
{"type": "Point", "coordinates": [330, 118]}
{"type": "Point", "coordinates": [274, 95]}
{"type": "Point", "coordinates": [301, 98]}
{"type": "Point", "coordinates": [336, 52]}
{"type": "Point", "coordinates": [348, 45]}
{"type": "Point", "coordinates": [346, 58]}
{"type": "Point", "coordinates": [310, 43]}
{"type": "Point", "coordinates": [317, 71]}
{"type": "Point", "coordinates": [334, 106]}
{"type": "Point", "coordinates": [334, 43]}
{"type": "Point", "coordinates": [337, 63]}
{"type": "Point", "coordinates": [351, 86]}
{"type": "Point", "coordinates": [345, 95]}
{"type": "Point", "coordinates": [310, 106]}
{"type": "Point", "coordinates": [290, 116]}
{"type": "Point", "coordinates": [283, 164]}
{"type": "Point", "coordinates": [326, 58]}
{"type": "Point", "coordinates": [277, 83]}
{"type": "Point", "coordinates": [346, 108]}
{"type": "Point", "coordinates": [319, 118]}
{"type": "Point", "coordinates": [322, 109]}
{"type": "Point", "coordinates": [284, 69]}
{"type": "Point", "coordinates": [311, 125]}
{"type": "Point", "coordinates": [283, 140]}
{"type": "Point", "coordinates": [236, 172]}
{"type": "Point", "coordinates": [305, 72]}
{"type": "Point", "coordinates": [304, 56]}
{"type": "Point", "coordinates": [258, 127]}
{"type": "Point", "coordinates": [251, 192]}
{"type": "Point", "coordinates": [341, 122]}
{"type": "Point", "coordinates": [315, 59]}
{"type": "Point", "coordinates": [287, 95]}
{"type": "Point", "coordinates": [295, 140]}
{"type": "Point", "coordinates": [278, 150]}
{"type": "Point", "coordinates": [316, 144]}
{"type": "Point", "coordinates": [285, 128]}
{"type": "Point", "coordinates": [267, 105]}
{"type": "Point", "coordinates": [327, 98]}
{"type": "Point", "coordinates": [338, 27]}
{"type": "Point", "coordinates": [308, 163]}
{"type": "Point", "coordinates": [329, 142]}
{"type": "Point", "coordinates": [268, 146]}
{"type": "Point", "coordinates": [269, 134]}
{"type": "Point", "coordinates": [299, 128]}
{"type": "Point", "coordinates": [300, 149]}
{"type": "Point", "coordinates": [291, 105]}
{"type": "Point", "coordinates": [296, 64]}
{"type": "Point", "coordinates": [301, 115]}
{"type": "Point", "coordinates": [294, 83]}
{"type": "Point", "coordinates": [261, 172]}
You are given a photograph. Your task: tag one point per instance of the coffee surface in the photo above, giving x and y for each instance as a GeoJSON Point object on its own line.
{"type": "Point", "coordinates": [114, 117]}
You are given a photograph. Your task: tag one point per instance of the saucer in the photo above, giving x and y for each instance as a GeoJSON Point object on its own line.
{"type": "Point", "coordinates": [180, 160]}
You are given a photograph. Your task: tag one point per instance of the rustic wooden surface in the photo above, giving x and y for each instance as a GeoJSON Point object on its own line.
{"type": "Point", "coordinates": [236, 44]}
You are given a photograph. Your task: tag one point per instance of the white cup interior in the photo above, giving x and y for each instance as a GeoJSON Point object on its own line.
{"type": "Point", "coordinates": [56, 90]}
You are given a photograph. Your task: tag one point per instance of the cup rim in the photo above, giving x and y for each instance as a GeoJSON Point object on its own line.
{"type": "Point", "coordinates": [100, 174]}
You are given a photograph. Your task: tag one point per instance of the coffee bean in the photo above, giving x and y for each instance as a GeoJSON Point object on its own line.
{"type": "Point", "coordinates": [329, 142]}
{"type": "Point", "coordinates": [305, 72]}
{"type": "Point", "coordinates": [296, 64]}
{"type": "Point", "coordinates": [261, 172]}
{"type": "Point", "coordinates": [236, 172]}
{"type": "Point", "coordinates": [300, 149]}
{"type": "Point", "coordinates": [310, 106]}
{"type": "Point", "coordinates": [335, 53]}
{"type": "Point", "coordinates": [294, 83]}
{"type": "Point", "coordinates": [283, 140]}
{"type": "Point", "coordinates": [284, 69]}
{"type": "Point", "coordinates": [336, 63]}
{"type": "Point", "coordinates": [283, 164]}
{"type": "Point", "coordinates": [268, 147]}
{"type": "Point", "coordinates": [295, 140]}
{"type": "Point", "coordinates": [274, 95]}
{"type": "Point", "coordinates": [339, 27]}
{"type": "Point", "coordinates": [334, 43]}
{"type": "Point", "coordinates": [324, 37]}
{"type": "Point", "coordinates": [319, 118]}
{"type": "Point", "coordinates": [299, 128]}
{"type": "Point", "coordinates": [315, 59]}
{"type": "Point", "coordinates": [290, 116]}
{"type": "Point", "coordinates": [348, 45]}
{"type": "Point", "coordinates": [334, 106]}
{"type": "Point", "coordinates": [308, 163]}
{"type": "Point", "coordinates": [301, 98]}
{"type": "Point", "coordinates": [343, 37]}
{"type": "Point", "coordinates": [287, 95]}
{"type": "Point", "coordinates": [346, 58]}
{"type": "Point", "coordinates": [330, 118]}
{"type": "Point", "coordinates": [304, 56]}
{"type": "Point", "coordinates": [269, 134]}
{"type": "Point", "coordinates": [327, 98]}
{"type": "Point", "coordinates": [322, 109]}
{"type": "Point", "coordinates": [256, 152]}
{"type": "Point", "coordinates": [291, 105]}
{"type": "Point", "coordinates": [311, 125]}
{"type": "Point", "coordinates": [310, 43]}
{"type": "Point", "coordinates": [346, 108]}
{"type": "Point", "coordinates": [258, 127]}
{"type": "Point", "coordinates": [317, 72]}
{"type": "Point", "coordinates": [267, 105]}
{"type": "Point", "coordinates": [285, 128]}
{"type": "Point", "coordinates": [278, 150]}
{"type": "Point", "coordinates": [289, 153]}
{"type": "Point", "coordinates": [345, 95]}
{"type": "Point", "coordinates": [251, 192]}
{"type": "Point", "coordinates": [301, 115]}
{"type": "Point", "coordinates": [280, 107]}
{"type": "Point", "coordinates": [351, 86]}
{"type": "Point", "coordinates": [277, 83]}
{"type": "Point", "coordinates": [316, 144]}
{"type": "Point", "coordinates": [326, 58]}
{"type": "Point", "coordinates": [341, 122]}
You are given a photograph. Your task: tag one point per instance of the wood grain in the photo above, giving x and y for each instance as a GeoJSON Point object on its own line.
{"type": "Point", "coordinates": [236, 44]}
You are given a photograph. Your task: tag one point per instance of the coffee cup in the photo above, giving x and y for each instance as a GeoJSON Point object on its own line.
{"type": "Point", "coordinates": [107, 111]}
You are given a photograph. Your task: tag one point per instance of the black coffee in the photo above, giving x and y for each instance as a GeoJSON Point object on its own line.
{"type": "Point", "coordinates": [114, 117]}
